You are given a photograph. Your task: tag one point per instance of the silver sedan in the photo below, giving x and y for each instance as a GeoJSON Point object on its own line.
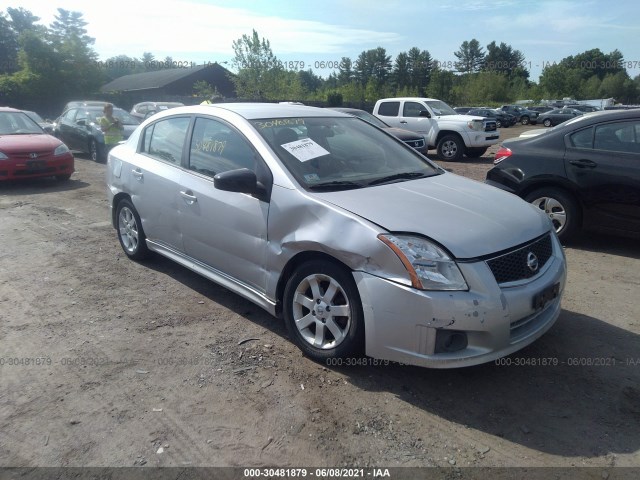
{"type": "Point", "coordinates": [361, 244]}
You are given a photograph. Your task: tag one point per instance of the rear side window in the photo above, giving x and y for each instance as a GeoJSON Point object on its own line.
{"type": "Point", "coordinates": [618, 137]}
{"type": "Point", "coordinates": [389, 109]}
{"type": "Point", "coordinates": [164, 140]}
{"type": "Point", "coordinates": [582, 138]}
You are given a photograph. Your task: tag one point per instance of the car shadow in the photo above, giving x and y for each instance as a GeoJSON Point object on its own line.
{"type": "Point", "coordinates": [33, 186]}
{"type": "Point", "coordinates": [573, 392]}
{"type": "Point", "coordinates": [604, 243]}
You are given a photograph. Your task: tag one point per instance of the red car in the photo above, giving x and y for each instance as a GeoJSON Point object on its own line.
{"type": "Point", "coordinates": [27, 151]}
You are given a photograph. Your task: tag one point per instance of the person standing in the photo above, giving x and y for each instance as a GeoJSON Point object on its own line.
{"type": "Point", "coordinates": [111, 128]}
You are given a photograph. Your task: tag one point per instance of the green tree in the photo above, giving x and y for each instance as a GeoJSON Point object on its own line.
{"type": "Point", "coordinates": [504, 59]}
{"type": "Point", "coordinates": [8, 46]}
{"type": "Point", "coordinates": [401, 74]}
{"type": "Point", "coordinates": [420, 69]}
{"type": "Point", "coordinates": [470, 57]}
{"type": "Point", "coordinates": [258, 68]}
{"type": "Point", "coordinates": [345, 71]}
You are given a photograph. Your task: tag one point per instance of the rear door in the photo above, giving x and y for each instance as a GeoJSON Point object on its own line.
{"type": "Point", "coordinates": [153, 178]}
{"type": "Point", "coordinates": [604, 162]}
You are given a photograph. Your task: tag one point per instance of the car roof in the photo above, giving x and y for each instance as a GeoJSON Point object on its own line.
{"type": "Point", "coordinates": [9, 109]}
{"type": "Point", "coordinates": [255, 111]}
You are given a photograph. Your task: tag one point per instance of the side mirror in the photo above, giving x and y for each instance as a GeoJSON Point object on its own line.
{"type": "Point", "coordinates": [424, 113]}
{"type": "Point", "coordinates": [241, 180]}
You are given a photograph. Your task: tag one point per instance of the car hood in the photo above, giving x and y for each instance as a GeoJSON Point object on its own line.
{"type": "Point", "coordinates": [37, 142]}
{"type": "Point", "coordinates": [467, 217]}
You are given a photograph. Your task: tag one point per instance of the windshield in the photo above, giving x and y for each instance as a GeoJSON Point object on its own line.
{"type": "Point", "coordinates": [18, 123]}
{"type": "Point", "coordinates": [440, 108]}
{"type": "Point", "coordinates": [366, 116]}
{"type": "Point", "coordinates": [341, 153]}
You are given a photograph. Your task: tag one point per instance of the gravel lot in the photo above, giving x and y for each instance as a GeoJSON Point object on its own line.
{"type": "Point", "coordinates": [108, 362]}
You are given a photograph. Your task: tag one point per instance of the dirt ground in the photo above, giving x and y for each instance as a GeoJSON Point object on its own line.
{"type": "Point", "coordinates": [109, 362]}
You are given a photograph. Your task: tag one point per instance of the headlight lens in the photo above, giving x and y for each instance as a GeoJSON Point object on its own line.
{"type": "Point", "coordinates": [429, 267]}
{"type": "Point", "coordinates": [62, 148]}
{"type": "Point", "coordinates": [475, 125]}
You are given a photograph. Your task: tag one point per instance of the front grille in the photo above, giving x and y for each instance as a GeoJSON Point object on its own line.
{"type": "Point", "coordinates": [490, 126]}
{"type": "Point", "coordinates": [27, 155]}
{"type": "Point", "coordinates": [512, 266]}
{"type": "Point", "coordinates": [415, 143]}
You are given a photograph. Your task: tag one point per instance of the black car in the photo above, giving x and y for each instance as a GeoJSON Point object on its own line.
{"type": "Point", "coordinates": [582, 173]}
{"type": "Point", "coordinates": [541, 109]}
{"type": "Point", "coordinates": [557, 116]}
{"type": "Point", "coordinates": [524, 115]}
{"type": "Point", "coordinates": [503, 119]}
{"type": "Point", "coordinates": [78, 128]}
{"type": "Point", "coordinates": [413, 139]}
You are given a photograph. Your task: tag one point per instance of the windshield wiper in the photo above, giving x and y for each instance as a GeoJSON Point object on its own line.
{"type": "Point", "coordinates": [399, 176]}
{"type": "Point", "coordinates": [336, 185]}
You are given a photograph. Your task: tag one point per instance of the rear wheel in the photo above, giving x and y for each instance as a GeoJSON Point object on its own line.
{"type": "Point", "coordinates": [547, 122]}
{"type": "Point", "coordinates": [450, 147]}
{"type": "Point", "coordinates": [561, 207]}
{"type": "Point", "coordinates": [524, 120]}
{"type": "Point", "coordinates": [93, 150]}
{"type": "Point", "coordinates": [323, 312]}
{"type": "Point", "coordinates": [132, 238]}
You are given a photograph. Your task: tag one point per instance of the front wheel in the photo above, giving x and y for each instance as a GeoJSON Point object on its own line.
{"type": "Point", "coordinates": [132, 238]}
{"type": "Point", "coordinates": [561, 207]}
{"type": "Point", "coordinates": [547, 122]}
{"type": "Point", "coordinates": [450, 147]}
{"type": "Point", "coordinates": [524, 120]}
{"type": "Point", "coordinates": [323, 312]}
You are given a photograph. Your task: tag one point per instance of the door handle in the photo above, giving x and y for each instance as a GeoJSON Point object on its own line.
{"type": "Point", "coordinates": [583, 163]}
{"type": "Point", "coordinates": [189, 197]}
{"type": "Point", "coordinates": [136, 172]}
{"type": "Point", "coordinates": [403, 121]}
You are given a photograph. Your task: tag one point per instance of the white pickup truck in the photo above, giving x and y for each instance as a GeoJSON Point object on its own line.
{"type": "Point", "coordinates": [453, 135]}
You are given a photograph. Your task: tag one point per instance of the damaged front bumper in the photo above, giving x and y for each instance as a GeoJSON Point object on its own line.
{"type": "Point", "coordinates": [448, 329]}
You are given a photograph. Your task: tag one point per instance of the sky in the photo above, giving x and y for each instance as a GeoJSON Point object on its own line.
{"type": "Point", "coordinates": [317, 35]}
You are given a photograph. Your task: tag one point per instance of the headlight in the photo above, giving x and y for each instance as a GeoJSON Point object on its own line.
{"type": "Point", "coordinates": [62, 148]}
{"type": "Point", "coordinates": [429, 267]}
{"type": "Point", "coordinates": [3, 156]}
{"type": "Point", "coordinates": [475, 125]}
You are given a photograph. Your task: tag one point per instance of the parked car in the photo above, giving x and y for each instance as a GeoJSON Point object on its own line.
{"type": "Point", "coordinates": [583, 108]}
{"type": "Point", "coordinates": [356, 240]}
{"type": "Point", "coordinates": [583, 173]}
{"type": "Point", "coordinates": [78, 127]}
{"type": "Point", "coordinates": [451, 134]}
{"type": "Point", "coordinates": [46, 125]}
{"type": "Point", "coordinates": [502, 119]}
{"type": "Point", "coordinates": [541, 108]}
{"type": "Point", "coordinates": [412, 139]}
{"type": "Point", "coordinates": [524, 115]}
{"type": "Point", "coordinates": [27, 151]}
{"type": "Point", "coordinates": [557, 116]}
{"type": "Point", "coordinates": [84, 103]}
{"type": "Point", "coordinates": [463, 110]}
{"type": "Point", "coordinates": [146, 109]}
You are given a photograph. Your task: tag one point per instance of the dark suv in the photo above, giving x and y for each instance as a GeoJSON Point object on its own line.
{"type": "Point", "coordinates": [524, 115]}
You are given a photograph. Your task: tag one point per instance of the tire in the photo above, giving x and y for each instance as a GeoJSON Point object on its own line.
{"type": "Point", "coordinates": [524, 120]}
{"type": "Point", "coordinates": [498, 123]}
{"type": "Point", "coordinates": [94, 153]}
{"type": "Point", "coordinates": [315, 288]}
{"type": "Point", "coordinates": [562, 209]}
{"type": "Point", "coordinates": [130, 234]}
{"type": "Point", "coordinates": [475, 152]}
{"type": "Point", "coordinates": [546, 122]}
{"type": "Point", "coordinates": [450, 147]}
{"type": "Point", "coordinates": [64, 177]}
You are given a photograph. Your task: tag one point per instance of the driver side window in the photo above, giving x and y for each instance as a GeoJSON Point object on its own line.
{"type": "Point", "coordinates": [216, 148]}
{"type": "Point", "coordinates": [412, 109]}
